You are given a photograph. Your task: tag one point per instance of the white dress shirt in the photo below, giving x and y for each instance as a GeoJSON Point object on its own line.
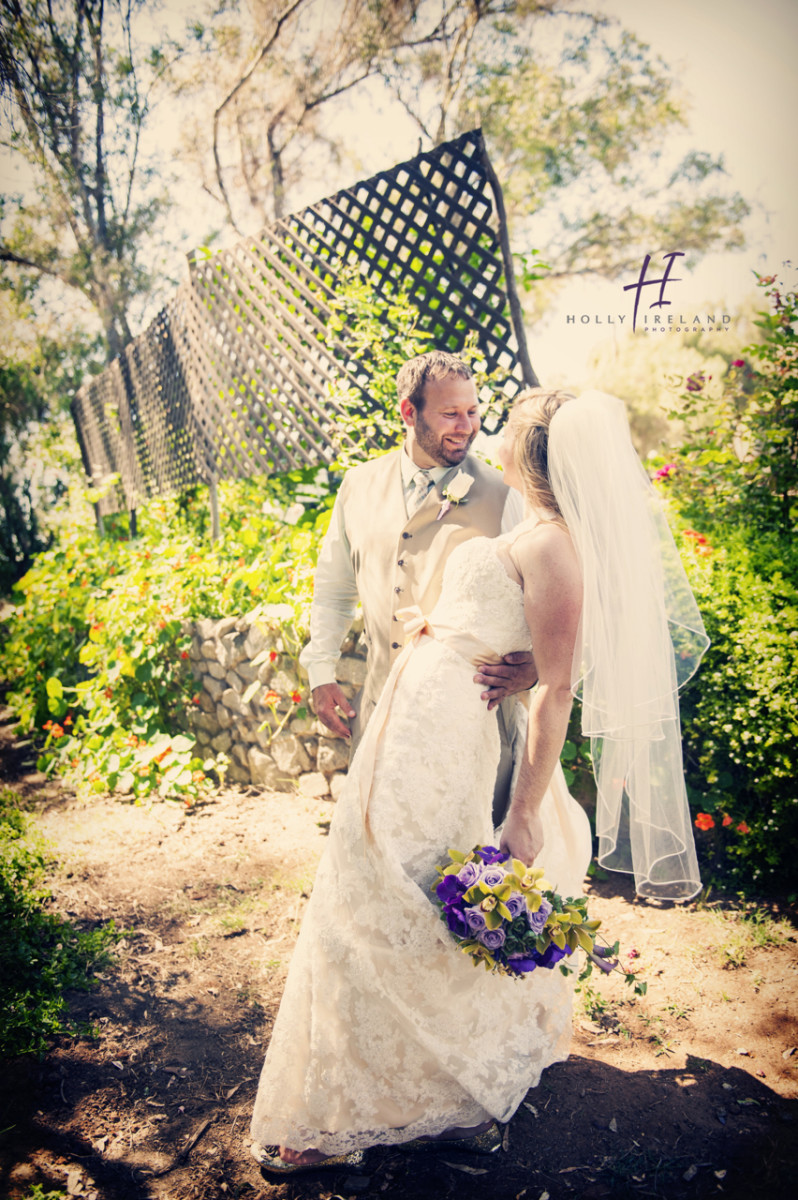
{"type": "Point", "coordinates": [335, 597]}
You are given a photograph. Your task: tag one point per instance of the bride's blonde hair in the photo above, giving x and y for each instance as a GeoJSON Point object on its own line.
{"type": "Point", "coordinates": [528, 423]}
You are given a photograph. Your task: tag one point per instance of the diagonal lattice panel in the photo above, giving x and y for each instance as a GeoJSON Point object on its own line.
{"type": "Point", "coordinates": [233, 377]}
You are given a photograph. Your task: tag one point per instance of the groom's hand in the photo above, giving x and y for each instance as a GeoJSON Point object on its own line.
{"type": "Point", "coordinates": [328, 699]}
{"type": "Point", "coordinates": [515, 673]}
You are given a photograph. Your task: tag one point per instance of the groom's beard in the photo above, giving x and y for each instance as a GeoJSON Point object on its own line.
{"type": "Point", "coordinates": [439, 447]}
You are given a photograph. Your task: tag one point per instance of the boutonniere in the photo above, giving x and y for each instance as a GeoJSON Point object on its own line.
{"type": "Point", "coordinates": [455, 492]}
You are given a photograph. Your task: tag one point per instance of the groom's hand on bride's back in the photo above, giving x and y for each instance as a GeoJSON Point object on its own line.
{"type": "Point", "coordinates": [329, 702]}
{"type": "Point", "coordinates": [515, 673]}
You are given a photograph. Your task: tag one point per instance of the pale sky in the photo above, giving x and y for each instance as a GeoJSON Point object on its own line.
{"type": "Point", "coordinates": [737, 61]}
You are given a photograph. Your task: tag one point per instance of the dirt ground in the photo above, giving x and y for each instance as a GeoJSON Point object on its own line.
{"type": "Point", "coordinates": [688, 1092]}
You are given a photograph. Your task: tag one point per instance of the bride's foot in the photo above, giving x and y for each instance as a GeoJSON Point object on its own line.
{"type": "Point", "coordinates": [288, 1162]}
{"type": "Point", "coordinates": [301, 1158]}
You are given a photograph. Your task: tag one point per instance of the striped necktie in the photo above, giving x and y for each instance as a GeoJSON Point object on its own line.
{"type": "Point", "coordinates": [420, 485]}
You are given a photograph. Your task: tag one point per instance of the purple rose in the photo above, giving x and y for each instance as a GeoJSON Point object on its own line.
{"type": "Point", "coordinates": [493, 939]}
{"type": "Point", "coordinates": [516, 904]}
{"type": "Point", "coordinates": [455, 921]}
{"type": "Point", "coordinates": [468, 874]}
{"type": "Point", "coordinates": [489, 854]}
{"type": "Point", "coordinates": [449, 890]}
{"type": "Point", "coordinates": [492, 876]}
{"type": "Point", "coordinates": [552, 955]}
{"type": "Point", "coordinates": [521, 963]}
{"type": "Point", "coordinates": [536, 920]}
{"type": "Point", "coordinates": [475, 919]}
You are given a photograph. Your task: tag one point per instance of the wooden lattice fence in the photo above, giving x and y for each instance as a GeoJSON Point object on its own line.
{"type": "Point", "coordinates": [233, 376]}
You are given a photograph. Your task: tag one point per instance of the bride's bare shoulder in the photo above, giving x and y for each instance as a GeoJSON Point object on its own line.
{"type": "Point", "coordinates": [543, 545]}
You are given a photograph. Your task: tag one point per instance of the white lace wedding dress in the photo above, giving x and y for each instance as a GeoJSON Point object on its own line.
{"type": "Point", "coordinates": [386, 1030]}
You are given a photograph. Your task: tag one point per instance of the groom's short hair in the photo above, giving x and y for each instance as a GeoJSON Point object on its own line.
{"type": "Point", "coordinates": [435, 364]}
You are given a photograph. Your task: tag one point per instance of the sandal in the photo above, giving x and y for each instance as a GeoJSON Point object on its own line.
{"type": "Point", "coordinates": [272, 1164]}
{"type": "Point", "coordinates": [489, 1141]}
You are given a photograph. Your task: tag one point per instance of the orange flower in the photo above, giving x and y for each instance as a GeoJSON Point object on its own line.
{"type": "Point", "coordinates": [270, 697]}
{"type": "Point", "coordinates": [726, 820]}
{"type": "Point", "coordinates": [47, 725]}
{"type": "Point", "coordinates": [160, 757]}
{"type": "Point", "coordinates": [704, 821]}
{"type": "Point", "coordinates": [162, 624]}
{"type": "Point", "coordinates": [108, 694]}
{"type": "Point", "coordinates": [57, 731]}
{"type": "Point", "coordinates": [743, 828]}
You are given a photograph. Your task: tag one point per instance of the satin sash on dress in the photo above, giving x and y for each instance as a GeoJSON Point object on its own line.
{"type": "Point", "coordinates": [416, 626]}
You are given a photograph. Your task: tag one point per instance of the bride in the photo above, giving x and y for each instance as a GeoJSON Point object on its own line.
{"type": "Point", "coordinates": [386, 1032]}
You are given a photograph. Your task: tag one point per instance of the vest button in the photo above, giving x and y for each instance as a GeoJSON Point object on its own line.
{"type": "Point", "coordinates": [401, 562]}
{"type": "Point", "coordinates": [394, 645]}
{"type": "Point", "coordinates": [407, 535]}
{"type": "Point", "coordinates": [397, 590]}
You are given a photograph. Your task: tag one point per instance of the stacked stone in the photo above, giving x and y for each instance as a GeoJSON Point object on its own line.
{"type": "Point", "coordinates": [266, 746]}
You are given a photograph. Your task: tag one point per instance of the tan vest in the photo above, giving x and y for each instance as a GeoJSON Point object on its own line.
{"type": "Point", "coordinates": [399, 561]}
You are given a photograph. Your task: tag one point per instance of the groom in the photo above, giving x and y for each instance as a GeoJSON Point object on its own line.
{"type": "Point", "coordinates": [390, 535]}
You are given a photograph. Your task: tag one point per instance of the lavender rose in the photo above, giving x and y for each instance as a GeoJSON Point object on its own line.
{"type": "Point", "coordinates": [536, 920]}
{"type": "Point", "coordinates": [492, 876]}
{"type": "Point", "coordinates": [517, 905]}
{"type": "Point", "coordinates": [469, 873]}
{"type": "Point", "coordinates": [475, 920]}
{"type": "Point", "coordinates": [492, 939]}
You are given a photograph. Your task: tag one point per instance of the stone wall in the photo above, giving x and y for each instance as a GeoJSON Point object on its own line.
{"type": "Point", "coordinates": [268, 743]}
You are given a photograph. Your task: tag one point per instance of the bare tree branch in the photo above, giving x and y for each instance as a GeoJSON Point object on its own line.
{"type": "Point", "coordinates": [240, 83]}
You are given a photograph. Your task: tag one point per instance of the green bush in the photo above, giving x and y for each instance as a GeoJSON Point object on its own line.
{"type": "Point", "coordinates": [736, 480]}
{"type": "Point", "coordinates": [739, 724]}
{"type": "Point", "coordinates": [41, 954]}
{"type": "Point", "coordinates": [97, 659]}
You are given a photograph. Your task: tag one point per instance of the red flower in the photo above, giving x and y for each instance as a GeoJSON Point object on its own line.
{"type": "Point", "coordinates": [738, 362]}
{"type": "Point", "coordinates": [272, 656]}
{"type": "Point", "coordinates": [47, 725]}
{"type": "Point", "coordinates": [691, 533]}
{"type": "Point", "coordinates": [704, 821]}
{"type": "Point", "coordinates": [726, 820]}
{"type": "Point", "coordinates": [195, 699]}
{"type": "Point", "coordinates": [108, 694]}
{"type": "Point", "coordinates": [296, 697]}
{"type": "Point", "coordinates": [184, 653]}
{"type": "Point", "coordinates": [743, 828]}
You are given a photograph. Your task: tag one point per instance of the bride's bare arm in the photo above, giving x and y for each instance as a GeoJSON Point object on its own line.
{"type": "Point", "coordinates": [548, 564]}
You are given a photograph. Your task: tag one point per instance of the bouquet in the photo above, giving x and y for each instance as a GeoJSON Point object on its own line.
{"type": "Point", "coordinates": [506, 915]}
